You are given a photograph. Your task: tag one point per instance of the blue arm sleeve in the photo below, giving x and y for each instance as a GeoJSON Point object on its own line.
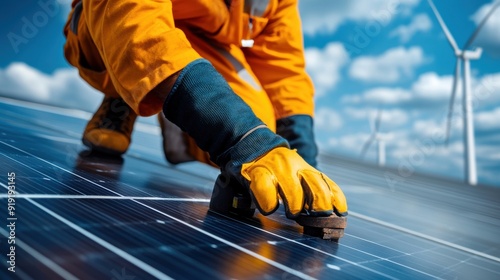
{"type": "Point", "coordinates": [202, 104]}
{"type": "Point", "coordinates": [298, 130]}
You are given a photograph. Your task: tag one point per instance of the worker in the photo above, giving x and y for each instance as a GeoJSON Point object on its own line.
{"type": "Point", "coordinates": [187, 59]}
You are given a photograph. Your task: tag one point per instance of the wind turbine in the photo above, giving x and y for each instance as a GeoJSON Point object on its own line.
{"type": "Point", "coordinates": [375, 136]}
{"type": "Point", "coordinates": [464, 55]}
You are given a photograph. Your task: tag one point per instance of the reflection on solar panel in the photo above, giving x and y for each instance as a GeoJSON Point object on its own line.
{"type": "Point", "coordinates": [75, 215]}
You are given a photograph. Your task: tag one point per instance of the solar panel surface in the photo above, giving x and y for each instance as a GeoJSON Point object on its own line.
{"type": "Point", "coordinates": [79, 216]}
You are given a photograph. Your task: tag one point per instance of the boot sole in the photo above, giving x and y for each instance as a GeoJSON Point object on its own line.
{"type": "Point", "coordinates": [99, 149]}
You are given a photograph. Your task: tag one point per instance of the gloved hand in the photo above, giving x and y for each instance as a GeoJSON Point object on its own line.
{"type": "Point", "coordinates": [301, 187]}
{"type": "Point", "coordinates": [298, 131]}
{"type": "Point", "coordinates": [202, 104]}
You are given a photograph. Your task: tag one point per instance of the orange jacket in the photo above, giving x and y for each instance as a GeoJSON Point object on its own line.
{"type": "Point", "coordinates": [276, 58]}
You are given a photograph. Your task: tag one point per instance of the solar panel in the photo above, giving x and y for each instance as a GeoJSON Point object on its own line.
{"type": "Point", "coordinates": [78, 215]}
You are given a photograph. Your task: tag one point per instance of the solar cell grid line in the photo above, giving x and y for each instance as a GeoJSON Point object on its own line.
{"type": "Point", "coordinates": [308, 247]}
{"type": "Point", "coordinates": [459, 259]}
{"type": "Point", "coordinates": [78, 136]}
{"type": "Point", "coordinates": [41, 258]}
{"type": "Point", "coordinates": [96, 262]}
{"type": "Point", "coordinates": [45, 184]}
{"type": "Point", "coordinates": [403, 266]}
{"type": "Point", "coordinates": [29, 118]}
{"type": "Point", "coordinates": [493, 269]}
{"type": "Point", "coordinates": [376, 264]}
{"type": "Point", "coordinates": [61, 168]}
{"type": "Point", "coordinates": [50, 196]}
{"type": "Point", "coordinates": [442, 242]}
{"type": "Point", "coordinates": [447, 188]}
{"type": "Point", "coordinates": [236, 246]}
{"type": "Point", "coordinates": [460, 236]}
{"type": "Point", "coordinates": [457, 269]}
{"type": "Point", "coordinates": [436, 257]}
{"type": "Point", "coordinates": [53, 112]}
{"type": "Point", "coordinates": [427, 237]}
{"type": "Point", "coordinates": [105, 197]}
{"type": "Point", "coordinates": [41, 173]}
{"type": "Point", "coordinates": [172, 170]}
{"type": "Point", "coordinates": [370, 241]}
{"type": "Point", "coordinates": [173, 235]}
{"type": "Point", "coordinates": [79, 175]}
{"type": "Point", "coordinates": [288, 271]}
{"type": "Point", "coordinates": [29, 123]}
{"type": "Point", "coordinates": [139, 263]}
{"type": "Point", "coordinates": [49, 109]}
{"type": "Point", "coordinates": [487, 207]}
{"type": "Point", "coordinates": [138, 189]}
{"type": "Point", "coordinates": [451, 269]}
{"type": "Point", "coordinates": [384, 259]}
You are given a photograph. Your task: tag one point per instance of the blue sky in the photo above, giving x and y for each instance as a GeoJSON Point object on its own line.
{"type": "Point", "coordinates": [363, 55]}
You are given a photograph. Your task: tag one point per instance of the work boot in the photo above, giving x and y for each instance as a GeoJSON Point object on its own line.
{"type": "Point", "coordinates": [175, 144]}
{"type": "Point", "coordinates": [110, 129]}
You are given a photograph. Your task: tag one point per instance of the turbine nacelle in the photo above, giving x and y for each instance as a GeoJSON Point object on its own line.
{"type": "Point", "coordinates": [472, 55]}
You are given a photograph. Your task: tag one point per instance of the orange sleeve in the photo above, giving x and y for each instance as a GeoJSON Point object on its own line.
{"type": "Point", "coordinates": [215, 19]}
{"type": "Point", "coordinates": [139, 46]}
{"type": "Point", "coordinates": [277, 59]}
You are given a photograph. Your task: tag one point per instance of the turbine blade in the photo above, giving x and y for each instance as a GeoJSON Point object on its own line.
{"type": "Point", "coordinates": [367, 145]}
{"type": "Point", "coordinates": [481, 24]}
{"type": "Point", "coordinates": [456, 80]}
{"type": "Point", "coordinates": [443, 26]}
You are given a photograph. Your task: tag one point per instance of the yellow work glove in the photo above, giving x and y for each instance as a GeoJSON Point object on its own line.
{"type": "Point", "coordinates": [249, 154]}
{"type": "Point", "coordinates": [302, 188]}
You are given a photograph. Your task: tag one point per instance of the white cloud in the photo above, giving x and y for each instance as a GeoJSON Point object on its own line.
{"type": "Point", "coordinates": [489, 37]}
{"type": "Point", "coordinates": [327, 120]}
{"type": "Point", "coordinates": [423, 155]}
{"type": "Point", "coordinates": [487, 89]}
{"type": "Point", "coordinates": [324, 66]}
{"type": "Point", "coordinates": [389, 67]}
{"type": "Point", "coordinates": [420, 22]}
{"type": "Point", "coordinates": [390, 118]}
{"type": "Point", "coordinates": [431, 87]}
{"type": "Point", "coordinates": [488, 120]}
{"type": "Point", "coordinates": [418, 144]}
{"type": "Point", "coordinates": [393, 117]}
{"type": "Point", "coordinates": [387, 95]}
{"type": "Point", "coordinates": [351, 143]}
{"type": "Point", "coordinates": [319, 16]}
{"type": "Point", "coordinates": [63, 88]}
{"type": "Point", "coordinates": [429, 128]}
{"type": "Point", "coordinates": [381, 95]}
{"type": "Point", "coordinates": [357, 113]}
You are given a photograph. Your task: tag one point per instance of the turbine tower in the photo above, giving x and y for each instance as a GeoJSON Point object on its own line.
{"type": "Point", "coordinates": [464, 55]}
{"type": "Point", "coordinates": [376, 136]}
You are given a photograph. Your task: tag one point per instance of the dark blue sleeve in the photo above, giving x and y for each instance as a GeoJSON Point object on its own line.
{"type": "Point", "coordinates": [298, 131]}
{"type": "Point", "coordinates": [202, 104]}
